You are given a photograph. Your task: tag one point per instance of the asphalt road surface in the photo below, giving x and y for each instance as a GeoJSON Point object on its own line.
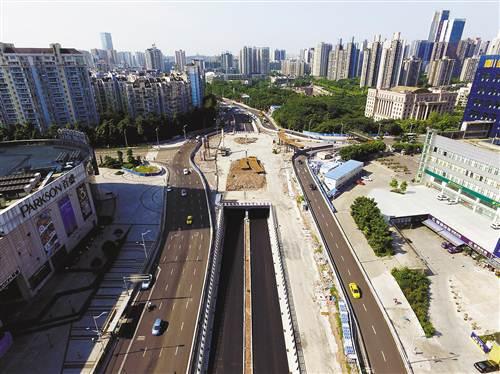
{"type": "Point", "coordinates": [178, 284]}
{"type": "Point", "coordinates": [268, 342]}
{"type": "Point", "coordinates": [382, 351]}
{"type": "Point", "coordinates": [226, 352]}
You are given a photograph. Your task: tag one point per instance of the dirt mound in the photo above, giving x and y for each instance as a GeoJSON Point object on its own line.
{"type": "Point", "coordinates": [246, 174]}
{"type": "Point", "coordinates": [245, 140]}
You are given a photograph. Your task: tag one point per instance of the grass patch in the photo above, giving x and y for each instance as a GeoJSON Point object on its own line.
{"type": "Point", "coordinates": [146, 169]}
{"type": "Point", "coordinates": [415, 286]}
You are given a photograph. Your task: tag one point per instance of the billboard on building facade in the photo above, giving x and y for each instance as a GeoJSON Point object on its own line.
{"type": "Point", "coordinates": [67, 215]}
{"type": "Point", "coordinates": [47, 232]}
{"type": "Point", "coordinates": [84, 200]}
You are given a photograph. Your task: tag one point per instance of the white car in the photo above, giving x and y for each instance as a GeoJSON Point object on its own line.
{"type": "Point", "coordinates": [185, 171]}
{"type": "Point", "coordinates": [495, 225]}
{"type": "Point", "coordinates": [169, 188]}
{"type": "Point", "coordinates": [442, 197]}
{"type": "Point", "coordinates": [183, 193]}
{"type": "Point", "coordinates": [366, 178]}
{"type": "Point", "coordinates": [146, 283]}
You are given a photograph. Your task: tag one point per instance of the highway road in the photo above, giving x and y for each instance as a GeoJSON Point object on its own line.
{"type": "Point", "coordinates": [382, 351]}
{"type": "Point", "coordinates": [226, 352]}
{"type": "Point", "coordinates": [176, 291]}
{"type": "Point", "coordinates": [268, 342]}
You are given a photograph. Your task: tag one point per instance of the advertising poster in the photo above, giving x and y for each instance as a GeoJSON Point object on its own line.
{"type": "Point", "coordinates": [84, 200]}
{"type": "Point", "coordinates": [67, 215]}
{"type": "Point", "coordinates": [47, 232]}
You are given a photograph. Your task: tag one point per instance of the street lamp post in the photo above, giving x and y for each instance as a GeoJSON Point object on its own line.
{"type": "Point", "coordinates": [125, 136]}
{"type": "Point", "coordinates": [97, 330]}
{"type": "Point", "coordinates": [144, 243]}
{"type": "Point", "coordinates": [184, 129]}
{"type": "Point", "coordinates": [157, 138]}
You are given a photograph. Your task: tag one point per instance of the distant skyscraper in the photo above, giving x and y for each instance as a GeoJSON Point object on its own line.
{"type": "Point", "coordinates": [452, 30]}
{"type": "Point", "coordinates": [263, 60]}
{"type": "Point", "coordinates": [410, 71]}
{"type": "Point", "coordinates": [180, 59]}
{"type": "Point", "coordinates": [320, 62]}
{"type": "Point", "coordinates": [196, 81]}
{"type": "Point", "coordinates": [246, 60]}
{"type": "Point", "coordinates": [227, 62]}
{"type": "Point", "coordinates": [390, 62]}
{"type": "Point", "coordinates": [45, 86]}
{"type": "Point", "coordinates": [279, 55]}
{"type": "Point", "coordinates": [437, 25]}
{"type": "Point", "coordinates": [254, 60]}
{"type": "Point", "coordinates": [371, 63]}
{"type": "Point", "coordinates": [468, 71]}
{"type": "Point", "coordinates": [139, 59]}
{"type": "Point", "coordinates": [342, 61]}
{"type": "Point", "coordinates": [154, 59]}
{"type": "Point", "coordinates": [440, 71]}
{"type": "Point", "coordinates": [494, 46]}
{"type": "Point", "coordinates": [106, 41]}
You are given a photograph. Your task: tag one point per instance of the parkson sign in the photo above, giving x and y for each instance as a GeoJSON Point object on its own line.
{"type": "Point", "coordinates": [46, 195]}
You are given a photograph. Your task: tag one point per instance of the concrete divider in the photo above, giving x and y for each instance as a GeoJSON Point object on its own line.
{"type": "Point", "coordinates": [289, 324]}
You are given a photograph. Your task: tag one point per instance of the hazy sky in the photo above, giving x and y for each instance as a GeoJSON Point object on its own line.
{"type": "Point", "coordinates": [209, 27]}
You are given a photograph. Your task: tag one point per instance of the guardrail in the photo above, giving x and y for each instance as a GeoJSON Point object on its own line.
{"type": "Point", "coordinates": [295, 356]}
{"type": "Point", "coordinates": [206, 290]}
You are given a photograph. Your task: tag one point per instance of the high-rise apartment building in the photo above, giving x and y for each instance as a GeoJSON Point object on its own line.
{"type": "Point", "coordinates": [293, 67]}
{"type": "Point", "coordinates": [140, 59]}
{"type": "Point", "coordinates": [441, 71]}
{"type": "Point", "coordinates": [196, 80]}
{"type": "Point", "coordinates": [279, 55]}
{"type": "Point", "coordinates": [125, 59]}
{"type": "Point", "coordinates": [452, 30]}
{"type": "Point", "coordinates": [254, 60]}
{"type": "Point", "coordinates": [371, 63]}
{"type": "Point", "coordinates": [45, 86]}
{"type": "Point", "coordinates": [468, 71]}
{"type": "Point", "coordinates": [494, 46]}
{"type": "Point", "coordinates": [342, 61]}
{"type": "Point", "coordinates": [320, 62]}
{"type": "Point", "coordinates": [263, 60]}
{"type": "Point", "coordinates": [154, 59]}
{"type": "Point", "coordinates": [227, 62]}
{"type": "Point", "coordinates": [410, 71]}
{"type": "Point", "coordinates": [106, 41]}
{"type": "Point", "coordinates": [180, 59]}
{"type": "Point", "coordinates": [483, 101]}
{"type": "Point", "coordinates": [390, 62]}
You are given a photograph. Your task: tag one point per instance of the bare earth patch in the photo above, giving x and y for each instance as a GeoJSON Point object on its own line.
{"type": "Point", "coordinates": [245, 140]}
{"type": "Point", "coordinates": [246, 174]}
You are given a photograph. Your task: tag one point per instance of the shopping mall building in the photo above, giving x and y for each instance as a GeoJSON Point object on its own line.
{"type": "Point", "coordinates": [46, 209]}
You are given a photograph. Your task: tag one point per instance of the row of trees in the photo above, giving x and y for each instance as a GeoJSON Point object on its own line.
{"type": "Point", "coordinates": [118, 129]}
{"type": "Point", "coordinates": [409, 148]}
{"type": "Point", "coordinates": [370, 221]}
{"type": "Point", "coordinates": [415, 286]}
{"type": "Point", "coordinates": [361, 152]}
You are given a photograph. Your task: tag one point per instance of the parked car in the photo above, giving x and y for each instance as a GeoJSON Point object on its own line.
{"type": "Point", "coordinates": [495, 225]}
{"type": "Point", "coordinates": [486, 366]}
{"type": "Point", "coordinates": [446, 245]}
{"type": "Point", "coordinates": [454, 250]}
{"type": "Point", "coordinates": [442, 197]}
{"type": "Point", "coordinates": [159, 326]}
{"type": "Point", "coordinates": [366, 178]}
{"type": "Point", "coordinates": [356, 293]}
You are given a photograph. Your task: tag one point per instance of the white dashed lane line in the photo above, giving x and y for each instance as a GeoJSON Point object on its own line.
{"type": "Point", "coordinates": [373, 328]}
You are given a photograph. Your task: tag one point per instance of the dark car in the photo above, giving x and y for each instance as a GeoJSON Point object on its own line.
{"type": "Point", "coordinates": [486, 366]}
{"type": "Point", "coordinates": [313, 186]}
{"type": "Point", "coordinates": [454, 249]}
{"type": "Point", "coordinates": [301, 162]}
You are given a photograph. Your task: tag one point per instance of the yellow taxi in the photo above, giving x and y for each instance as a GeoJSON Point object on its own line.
{"type": "Point", "coordinates": [356, 293]}
{"type": "Point", "coordinates": [189, 220]}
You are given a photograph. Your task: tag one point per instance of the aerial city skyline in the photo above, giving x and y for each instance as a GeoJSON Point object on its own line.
{"type": "Point", "coordinates": [249, 187]}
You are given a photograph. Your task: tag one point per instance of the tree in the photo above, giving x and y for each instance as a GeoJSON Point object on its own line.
{"type": "Point", "coordinates": [120, 156]}
{"type": "Point", "coordinates": [403, 186]}
{"type": "Point", "coordinates": [393, 184]}
{"type": "Point", "coordinates": [130, 156]}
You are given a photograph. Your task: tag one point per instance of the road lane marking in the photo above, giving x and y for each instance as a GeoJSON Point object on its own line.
{"type": "Point", "coordinates": [191, 287]}
{"type": "Point", "coordinates": [173, 305]}
{"type": "Point", "coordinates": [176, 257]}
{"type": "Point", "coordinates": [161, 303]}
{"type": "Point", "coordinates": [145, 350]}
{"type": "Point", "coordinates": [182, 325]}
{"type": "Point", "coordinates": [336, 245]}
{"type": "Point", "coordinates": [176, 350]}
{"type": "Point", "coordinates": [171, 271]}
{"type": "Point", "coordinates": [383, 356]}
{"type": "Point", "coordinates": [349, 271]}
{"type": "Point", "coordinates": [364, 307]}
{"type": "Point", "coordinates": [326, 223]}
{"type": "Point", "coordinates": [342, 257]}
{"type": "Point", "coordinates": [164, 258]}
{"type": "Point", "coordinates": [187, 304]}
{"type": "Point", "coordinates": [161, 351]}
{"type": "Point", "coordinates": [194, 272]}
{"type": "Point", "coordinates": [166, 287]}
{"type": "Point", "coordinates": [373, 328]}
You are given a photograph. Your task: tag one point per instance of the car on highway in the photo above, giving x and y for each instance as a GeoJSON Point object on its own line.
{"type": "Point", "coordinates": [169, 188]}
{"type": "Point", "coordinates": [185, 171]}
{"type": "Point", "coordinates": [313, 186]}
{"type": "Point", "coordinates": [146, 283]}
{"type": "Point", "coordinates": [189, 220]}
{"type": "Point", "coordinates": [356, 293]}
{"type": "Point", "coordinates": [159, 326]}
{"type": "Point", "coordinates": [486, 366]}
{"type": "Point", "coordinates": [184, 192]}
